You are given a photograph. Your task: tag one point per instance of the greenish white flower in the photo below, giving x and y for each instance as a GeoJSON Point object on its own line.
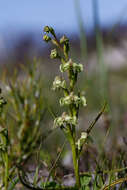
{"type": "Point", "coordinates": [75, 66]}
{"type": "Point", "coordinates": [70, 99]}
{"type": "Point", "coordinates": [82, 140]}
{"type": "Point", "coordinates": [54, 54]}
{"type": "Point", "coordinates": [59, 83]}
{"type": "Point", "coordinates": [58, 122]}
{"type": "Point", "coordinates": [83, 135]}
{"type": "Point", "coordinates": [73, 99]}
{"type": "Point", "coordinates": [64, 67]}
{"type": "Point", "coordinates": [64, 120]}
{"type": "Point", "coordinates": [83, 100]}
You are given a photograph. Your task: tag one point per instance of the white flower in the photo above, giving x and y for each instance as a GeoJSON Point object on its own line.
{"type": "Point", "coordinates": [65, 119]}
{"type": "Point", "coordinates": [58, 83]}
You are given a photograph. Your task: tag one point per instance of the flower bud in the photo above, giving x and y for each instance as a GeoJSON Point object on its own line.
{"type": "Point", "coordinates": [46, 38]}
{"type": "Point", "coordinates": [64, 40]}
{"type": "Point", "coordinates": [47, 29]}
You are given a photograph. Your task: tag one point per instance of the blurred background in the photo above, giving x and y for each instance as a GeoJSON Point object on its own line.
{"type": "Point", "coordinates": [22, 24]}
{"type": "Point", "coordinates": [98, 36]}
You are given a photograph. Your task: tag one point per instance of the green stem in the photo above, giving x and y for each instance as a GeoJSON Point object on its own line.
{"type": "Point", "coordinates": [75, 159]}
{"type": "Point", "coordinates": [6, 171]}
{"type": "Point", "coordinates": [76, 164]}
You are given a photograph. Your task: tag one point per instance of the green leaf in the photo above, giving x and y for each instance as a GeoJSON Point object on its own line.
{"type": "Point", "coordinates": [85, 188]}
{"type": "Point", "coordinates": [49, 184]}
{"type": "Point", "coordinates": [85, 180]}
{"type": "Point", "coordinates": [13, 183]}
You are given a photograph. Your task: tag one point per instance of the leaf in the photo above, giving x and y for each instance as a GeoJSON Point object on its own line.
{"type": "Point", "coordinates": [13, 183]}
{"type": "Point", "coordinates": [85, 180]}
{"type": "Point", "coordinates": [96, 119]}
{"type": "Point", "coordinates": [85, 188]}
{"type": "Point", "coordinates": [36, 176]}
{"type": "Point", "coordinates": [50, 184]}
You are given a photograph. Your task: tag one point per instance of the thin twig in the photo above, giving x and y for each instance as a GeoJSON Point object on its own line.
{"type": "Point", "coordinates": [57, 159]}
{"type": "Point", "coordinates": [121, 180]}
{"type": "Point", "coordinates": [96, 119]}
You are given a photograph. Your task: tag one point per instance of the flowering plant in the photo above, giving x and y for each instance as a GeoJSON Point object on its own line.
{"type": "Point", "coordinates": [69, 120]}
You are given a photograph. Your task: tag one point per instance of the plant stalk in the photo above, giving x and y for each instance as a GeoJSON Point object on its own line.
{"type": "Point", "coordinates": [75, 161]}
{"type": "Point", "coordinates": [6, 171]}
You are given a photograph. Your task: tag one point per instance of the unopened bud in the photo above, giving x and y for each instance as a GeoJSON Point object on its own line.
{"type": "Point", "coordinates": [64, 40]}
{"type": "Point", "coordinates": [46, 38]}
{"type": "Point", "coordinates": [47, 29]}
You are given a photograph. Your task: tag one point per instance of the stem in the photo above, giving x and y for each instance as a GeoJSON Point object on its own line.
{"type": "Point", "coordinates": [75, 159]}
{"type": "Point", "coordinates": [6, 172]}
{"type": "Point", "coordinates": [76, 164]}
{"type": "Point", "coordinates": [73, 133]}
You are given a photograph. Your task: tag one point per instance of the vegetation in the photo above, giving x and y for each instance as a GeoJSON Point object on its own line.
{"type": "Point", "coordinates": [25, 126]}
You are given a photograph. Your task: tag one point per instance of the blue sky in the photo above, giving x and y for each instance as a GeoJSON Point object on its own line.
{"type": "Point", "coordinates": [22, 15]}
